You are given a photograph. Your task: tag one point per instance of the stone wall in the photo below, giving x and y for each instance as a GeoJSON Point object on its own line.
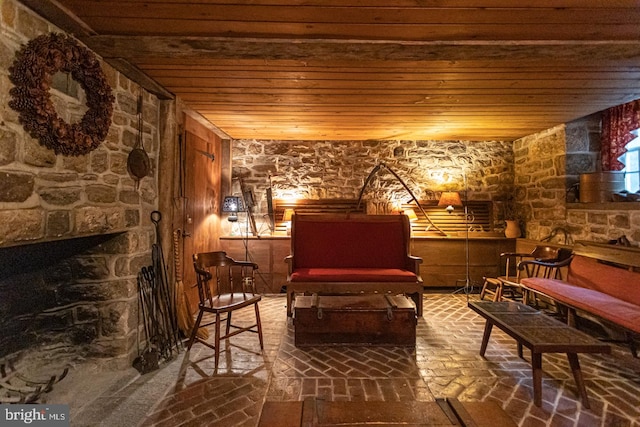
{"type": "Point", "coordinates": [547, 167]}
{"type": "Point", "coordinates": [48, 197]}
{"type": "Point", "coordinates": [338, 169]}
{"type": "Point", "coordinates": [540, 181]}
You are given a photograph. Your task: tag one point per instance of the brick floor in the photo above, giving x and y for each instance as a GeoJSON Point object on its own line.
{"type": "Point", "coordinates": [445, 363]}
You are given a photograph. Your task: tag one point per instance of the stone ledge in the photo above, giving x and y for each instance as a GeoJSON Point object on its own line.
{"type": "Point", "coordinates": [610, 206]}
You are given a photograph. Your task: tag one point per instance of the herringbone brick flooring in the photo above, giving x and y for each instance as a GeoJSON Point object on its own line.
{"type": "Point", "coordinates": [445, 363]}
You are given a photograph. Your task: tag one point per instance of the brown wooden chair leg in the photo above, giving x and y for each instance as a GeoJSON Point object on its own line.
{"type": "Point", "coordinates": [259, 326]}
{"type": "Point", "coordinates": [217, 342]}
{"type": "Point", "coordinates": [194, 332]}
{"type": "Point", "coordinates": [484, 288]}
{"type": "Point", "coordinates": [498, 295]}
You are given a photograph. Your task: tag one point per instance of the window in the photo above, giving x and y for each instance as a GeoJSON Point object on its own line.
{"type": "Point", "coordinates": [631, 160]}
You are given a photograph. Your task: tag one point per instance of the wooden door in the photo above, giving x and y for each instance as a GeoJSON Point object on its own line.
{"type": "Point", "coordinates": [201, 196]}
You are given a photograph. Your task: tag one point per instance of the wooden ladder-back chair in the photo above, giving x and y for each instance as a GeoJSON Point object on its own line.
{"type": "Point", "coordinates": [546, 260]}
{"type": "Point", "coordinates": [224, 286]}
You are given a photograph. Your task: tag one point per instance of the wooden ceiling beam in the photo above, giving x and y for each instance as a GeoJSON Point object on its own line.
{"type": "Point", "coordinates": [141, 48]}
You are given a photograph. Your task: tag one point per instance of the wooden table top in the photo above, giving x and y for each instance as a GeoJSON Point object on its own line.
{"type": "Point", "coordinates": [537, 331]}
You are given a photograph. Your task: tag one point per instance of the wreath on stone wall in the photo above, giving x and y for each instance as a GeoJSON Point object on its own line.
{"type": "Point", "coordinates": [32, 73]}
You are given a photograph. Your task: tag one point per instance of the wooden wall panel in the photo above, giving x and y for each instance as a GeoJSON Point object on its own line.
{"type": "Point", "coordinates": [444, 259]}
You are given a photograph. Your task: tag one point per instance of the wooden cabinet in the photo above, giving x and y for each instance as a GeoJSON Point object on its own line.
{"type": "Point", "coordinates": [444, 259]}
{"type": "Point", "coordinates": [266, 251]}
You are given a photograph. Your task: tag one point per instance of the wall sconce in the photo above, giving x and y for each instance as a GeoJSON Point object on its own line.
{"type": "Point", "coordinates": [232, 205]}
{"type": "Point", "coordinates": [411, 214]}
{"type": "Point", "coordinates": [286, 217]}
{"type": "Point", "coordinates": [450, 199]}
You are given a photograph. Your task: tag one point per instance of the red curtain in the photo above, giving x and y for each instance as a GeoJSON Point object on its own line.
{"type": "Point", "coordinates": [617, 124]}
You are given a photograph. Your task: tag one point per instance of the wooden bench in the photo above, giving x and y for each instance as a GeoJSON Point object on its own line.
{"type": "Point", "coordinates": [602, 282]}
{"type": "Point", "coordinates": [352, 254]}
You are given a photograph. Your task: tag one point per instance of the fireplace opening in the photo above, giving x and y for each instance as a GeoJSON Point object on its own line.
{"type": "Point", "coordinates": [75, 297]}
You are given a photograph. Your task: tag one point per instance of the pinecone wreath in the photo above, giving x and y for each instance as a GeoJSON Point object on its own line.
{"type": "Point", "coordinates": [32, 72]}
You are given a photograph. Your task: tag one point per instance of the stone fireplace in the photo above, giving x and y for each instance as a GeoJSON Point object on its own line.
{"type": "Point", "coordinates": [71, 298]}
{"type": "Point", "coordinates": [74, 230]}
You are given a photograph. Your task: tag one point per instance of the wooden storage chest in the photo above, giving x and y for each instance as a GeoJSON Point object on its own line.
{"type": "Point", "coordinates": [378, 319]}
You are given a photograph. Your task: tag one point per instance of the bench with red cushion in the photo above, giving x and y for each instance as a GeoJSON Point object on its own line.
{"type": "Point", "coordinates": [351, 254]}
{"type": "Point", "coordinates": [610, 292]}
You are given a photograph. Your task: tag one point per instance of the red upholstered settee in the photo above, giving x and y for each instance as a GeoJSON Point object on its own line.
{"type": "Point", "coordinates": [601, 289]}
{"type": "Point", "coordinates": [351, 254]}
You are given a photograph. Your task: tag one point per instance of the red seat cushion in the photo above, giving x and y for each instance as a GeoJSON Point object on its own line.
{"type": "Point", "coordinates": [352, 275]}
{"type": "Point", "coordinates": [592, 301]}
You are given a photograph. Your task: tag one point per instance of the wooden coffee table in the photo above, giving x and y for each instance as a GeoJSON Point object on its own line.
{"type": "Point", "coordinates": [540, 334]}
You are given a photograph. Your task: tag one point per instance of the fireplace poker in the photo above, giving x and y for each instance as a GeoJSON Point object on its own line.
{"type": "Point", "coordinates": [166, 296]}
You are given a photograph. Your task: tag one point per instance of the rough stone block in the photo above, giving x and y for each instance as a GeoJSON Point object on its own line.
{"type": "Point", "coordinates": [83, 334]}
{"type": "Point", "coordinates": [61, 196]}
{"type": "Point", "coordinates": [21, 225]}
{"type": "Point", "coordinates": [597, 218]}
{"type": "Point", "coordinates": [76, 163]}
{"type": "Point", "coordinates": [620, 221]}
{"type": "Point", "coordinates": [90, 267]}
{"type": "Point", "coordinates": [38, 155]}
{"type": "Point", "coordinates": [129, 197]}
{"type": "Point", "coordinates": [580, 163]}
{"type": "Point", "coordinates": [16, 187]}
{"type": "Point", "coordinates": [58, 224]}
{"type": "Point", "coordinates": [8, 146]}
{"type": "Point", "coordinates": [98, 220]}
{"type": "Point", "coordinates": [95, 292]}
{"type": "Point", "coordinates": [118, 163]}
{"type": "Point", "coordinates": [101, 193]}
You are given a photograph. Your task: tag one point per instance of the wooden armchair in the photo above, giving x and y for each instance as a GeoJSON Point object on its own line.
{"type": "Point", "coordinates": [519, 265]}
{"type": "Point", "coordinates": [224, 285]}
{"type": "Point", "coordinates": [545, 268]}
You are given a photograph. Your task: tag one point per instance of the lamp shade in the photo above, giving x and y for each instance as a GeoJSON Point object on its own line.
{"type": "Point", "coordinates": [288, 213]}
{"type": "Point", "coordinates": [232, 205]}
{"type": "Point", "coordinates": [450, 199]}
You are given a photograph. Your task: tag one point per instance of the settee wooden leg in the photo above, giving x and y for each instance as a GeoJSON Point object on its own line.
{"type": "Point", "coordinates": [289, 303]}
{"type": "Point", "coordinates": [417, 299]}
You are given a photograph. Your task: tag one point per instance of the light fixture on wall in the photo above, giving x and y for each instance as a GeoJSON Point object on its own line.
{"type": "Point", "coordinates": [286, 217]}
{"type": "Point", "coordinates": [450, 199]}
{"type": "Point", "coordinates": [411, 214]}
{"type": "Point", "coordinates": [232, 205]}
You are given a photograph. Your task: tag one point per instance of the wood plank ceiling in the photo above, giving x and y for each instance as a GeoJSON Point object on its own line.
{"type": "Point", "coordinates": [368, 69]}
